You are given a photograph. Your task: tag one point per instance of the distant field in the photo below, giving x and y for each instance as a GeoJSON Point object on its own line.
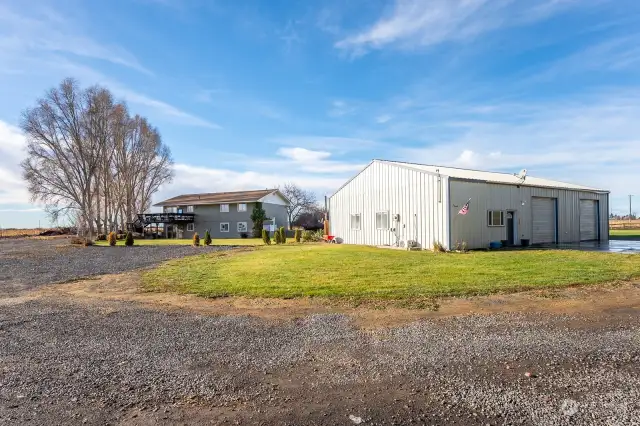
{"type": "Point", "coordinates": [19, 232]}
{"type": "Point", "coordinates": [624, 224]}
{"type": "Point", "coordinates": [624, 234]}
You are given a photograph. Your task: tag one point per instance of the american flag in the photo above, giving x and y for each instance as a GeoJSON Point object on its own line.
{"type": "Point", "coordinates": [465, 209]}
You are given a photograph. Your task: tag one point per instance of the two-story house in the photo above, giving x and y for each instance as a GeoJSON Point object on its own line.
{"type": "Point", "coordinates": [224, 214]}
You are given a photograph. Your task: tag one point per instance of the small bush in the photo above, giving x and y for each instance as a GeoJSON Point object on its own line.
{"type": "Point", "coordinates": [297, 236]}
{"type": "Point", "coordinates": [312, 237]}
{"type": "Point", "coordinates": [244, 235]}
{"type": "Point", "coordinates": [438, 247]}
{"type": "Point", "coordinates": [101, 237]}
{"type": "Point", "coordinates": [196, 240]}
{"type": "Point", "coordinates": [277, 236]}
{"type": "Point", "coordinates": [112, 239]}
{"type": "Point", "coordinates": [207, 238]}
{"type": "Point", "coordinates": [283, 235]}
{"type": "Point", "coordinates": [265, 237]}
{"type": "Point", "coordinates": [461, 246]}
{"type": "Point", "coordinates": [80, 241]}
{"type": "Point", "coordinates": [128, 240]}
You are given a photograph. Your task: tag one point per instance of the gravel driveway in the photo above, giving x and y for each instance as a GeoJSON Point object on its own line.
{"type": "Point", "coordinates": [28, 263]}
{"type": "Point", "coordinates": [84, 361]}
{"type": "Point", "coordinates": [117, 363]}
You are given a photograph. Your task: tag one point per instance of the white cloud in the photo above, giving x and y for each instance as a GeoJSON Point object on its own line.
{"type": "Point", "coordinates": [334, 144]}
{"type": "Point", "coordinates": [615, 54]}
{"type": "Point", "coordinates": [62, 67]}
{"type": "Point", "coordinates": [45, 43]}
{"type": "Point", "coordinates": [12, 144]}
{"type": "Point", "coordinates": [593, 140]}
{"type": "Point", "coordinates": [190, 179]}
{"type": "Point", "coordinates": [381, 119]}
{"type": "Point", "coordinates": [303, 154]}
{"type": "Point", "coordinates": [341, 108]}
{"type": "Point", "coordinates": [28, 210]}
{"type": "Point", "coordinates": [45, 30]}
{"type": "Point", "coordinates": [413, 23]}
{"type": "Point", "coordinates": [162, 107]}
{"type": "Point", "coordinates": [300, 160]}
{"type": "Point", "coordinates": [228, 100]}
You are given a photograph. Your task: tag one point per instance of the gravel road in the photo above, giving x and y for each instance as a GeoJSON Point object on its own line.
{"type": "Point", "coordinates": [118, 363]}
{"type": "Point", "coordinates": [28, 263]}
{"type": "Point", "coordinates": [73, 360]}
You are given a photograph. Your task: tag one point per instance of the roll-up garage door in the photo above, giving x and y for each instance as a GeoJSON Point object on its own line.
{"type": "Point", "coordinates": [588, 220]}
{"type": "Point", "coordinates": [543, 211]}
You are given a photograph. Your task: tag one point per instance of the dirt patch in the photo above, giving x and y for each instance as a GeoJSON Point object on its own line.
{"type": "Point", "coordinates": [611, 298]}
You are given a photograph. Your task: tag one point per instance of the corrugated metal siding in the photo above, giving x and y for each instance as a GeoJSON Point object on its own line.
{"type": "Point", "coordinates": [588, 220]}
{"type": "Point", "coordinates": [380, 187]}
{"type": "Point", "coordinates": [473, 228]}
{"type": "Point", "coordinates": [544, 217]}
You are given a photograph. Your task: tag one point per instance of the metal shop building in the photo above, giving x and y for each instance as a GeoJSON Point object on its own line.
{"type": "Point", "coordinates": [392, 203]}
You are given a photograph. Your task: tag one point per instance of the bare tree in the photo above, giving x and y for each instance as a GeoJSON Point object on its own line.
{"type": "Point", "coordinates": [62, 160]}
{"type": "Point", "coordinates": [300, 200]}
{"type": "Point", "coordinates": [89, 160]}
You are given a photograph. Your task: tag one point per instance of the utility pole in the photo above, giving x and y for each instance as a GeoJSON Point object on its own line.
{"type": "Point", "coordinates": [630, 197]}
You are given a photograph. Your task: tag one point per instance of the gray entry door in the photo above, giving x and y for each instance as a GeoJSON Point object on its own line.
{"type": "Point", "coordinates": [588, 220]}
{"type": "Point", "coordinates": [543, 212]}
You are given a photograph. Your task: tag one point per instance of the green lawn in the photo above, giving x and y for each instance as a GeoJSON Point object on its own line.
{"type": "Point", "coordinates": [185, 242]}
{"type": "Point", "coordinates": [367, 273]}
{"type": "Point", "coordinates": [624, 234]}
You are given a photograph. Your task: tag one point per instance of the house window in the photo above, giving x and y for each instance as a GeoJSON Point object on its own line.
{"type": "Point", "coordinates": [189, 209]}
{"type": "Point", "coordinates": [355, 221]}
{"type": "Point", "coordinates": [242, 207]}
{"type": "Point", "coordinates": [170, 209]}
{"type": "Point", "coordinates": [224, 227]}
{"type": "Point", "coordinates": [382, 220]}
{"type": "Point", "coordinates": [496, 218]}
{"type": "Point", "coordinates": [242, 226]}
{"type": "Point", "coordinates": [224, 208]}
{"type": "Point", "coordinates": [191, 227]}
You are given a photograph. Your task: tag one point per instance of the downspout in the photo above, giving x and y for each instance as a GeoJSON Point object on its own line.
{"type": "Point", "coordinates": [448, 213]}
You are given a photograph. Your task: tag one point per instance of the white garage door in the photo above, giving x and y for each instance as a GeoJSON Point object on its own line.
{"type": "Point", "coordinates": [588, 220]}
{"type": "Point", "coordinates": [543, 211]}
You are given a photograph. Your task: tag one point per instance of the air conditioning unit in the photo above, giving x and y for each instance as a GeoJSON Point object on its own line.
{"type": "Point", "coordinates": [409, 244]}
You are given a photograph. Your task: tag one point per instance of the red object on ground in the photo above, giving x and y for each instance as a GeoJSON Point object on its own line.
{"type": "Point", "coordinates": [330, 238]}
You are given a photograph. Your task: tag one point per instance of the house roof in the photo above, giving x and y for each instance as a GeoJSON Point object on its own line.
{"type": "Point", "coordinates": [492, 177]}
{"type": "Point", "coordinates": [488, 177]}
{"type": "Point", "coordinates": [220, 198]}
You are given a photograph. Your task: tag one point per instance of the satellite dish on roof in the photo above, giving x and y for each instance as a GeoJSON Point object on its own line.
{"type": "Point", "coordinates": [522, 175]}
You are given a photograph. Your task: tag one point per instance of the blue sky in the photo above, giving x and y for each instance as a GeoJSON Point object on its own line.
{"type": "Point", "coordinates": [252, 94]}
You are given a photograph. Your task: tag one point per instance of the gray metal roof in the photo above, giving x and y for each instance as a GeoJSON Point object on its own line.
{"type": "Point", "coordinates": [492, 177]}
{"type": "Point", "coordinates": [219, 198]}
{"type": "Point", "coordinates": [482, 176]}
